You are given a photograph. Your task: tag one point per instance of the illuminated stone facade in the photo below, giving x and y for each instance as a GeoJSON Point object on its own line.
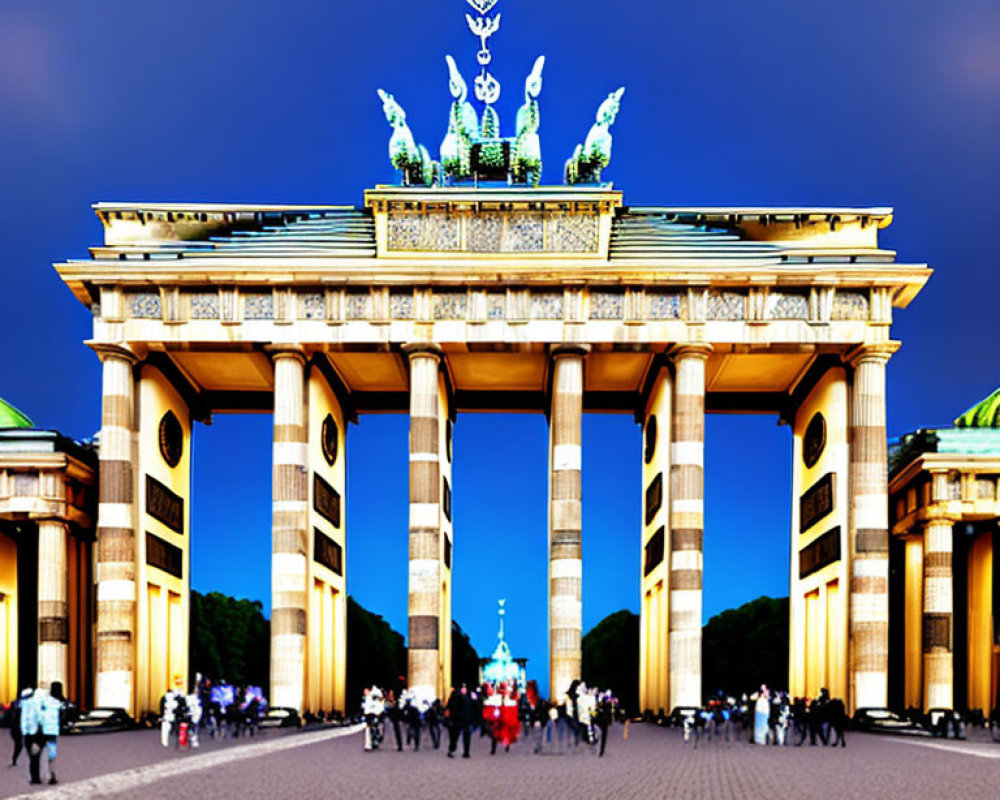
{"type": "Point", "coordinates": [945, 508]}
{"type": "Point", "coordinates": [434, 301]}
{"type": "Point", "coordinates": [47, 515]}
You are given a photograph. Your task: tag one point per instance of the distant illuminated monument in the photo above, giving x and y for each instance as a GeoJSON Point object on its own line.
{"type": "Point", "coordinates": [502, 667]}
{"type": "Point", "coordinates": [473, 288]}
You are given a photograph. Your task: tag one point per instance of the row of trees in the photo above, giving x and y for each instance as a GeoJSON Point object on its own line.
{"type": "Point", "coordinates": [741, 648]}
{"type": "Point", "coordinates": [231, 639]}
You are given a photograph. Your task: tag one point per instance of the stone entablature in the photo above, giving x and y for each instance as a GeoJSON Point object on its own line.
{"type": "Point", "coordinates": [38, 481]}
{"type": "Point", "coordinates": [953, 485]}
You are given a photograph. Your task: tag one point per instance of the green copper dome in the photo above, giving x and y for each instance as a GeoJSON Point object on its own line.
{"type": "Point", "coordinates": [10, 417]}
{"type": "Point", "coordinates": [985, 414]}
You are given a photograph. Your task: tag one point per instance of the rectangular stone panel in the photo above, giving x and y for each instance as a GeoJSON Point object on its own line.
{"type": "Point", "coordinates": [115, 544]}
{"type": "Point", "coordinates": [327, 552]}
{"type": "Point", "coordinates": [447, 551]}
{"type": "Point", "coordinates": [326, 500]}
{"type": "Point", "coordinates": [446, 498]}
{"type": "Point", "coordinates": [53, 629]}
{"type": "Point", "coordinates": [288, 620]}
{"type": "Point", "coordinates": [163, 505]}
{"type": "Point", "coordinates": [423, 633]}
{"type": "Point", "coordinates": [936, 631]}
{"type": "Point", "coordinates": [424, 435]}
{"type": "Point", "coordinates": [165, 556]}
{"type": "Point", "coordinates": [871, 540]}
{"type": "Point", "coordinates": [686, 539]}
{"type": "Point", "coordinates": [685, 579]}
{"type": "Point", "coordinates": [820, 553]}
{"type": "Point", "coordinates": [816, 502]}
{"type": "Point", "coordinates": [654, 551]}
{"type": "Point", "coordinates": [567, 484]}
{"type": "Point", "coordinates": [115, 482]}
{"type": "Point", "coordinates": [114, 651]}
{"type": "Point", "coordinates": [424, 482]}
{"type": "Point", "coordinates": [654, 497]}
{"type": "Point", "coordinates": [288, 540]}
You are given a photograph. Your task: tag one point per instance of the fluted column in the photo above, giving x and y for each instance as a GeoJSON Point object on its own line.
{"type": "Point", "coordinates": [869, 603]}
{"type": "Point", "coordinates": [565, 519]}
{"type": "Point", "coordinates": [938, 613]}
{"type": "Point", "coordinates": [53, 611]}
{"type": "Point", "coordinates": [289, 535]}
{"type": "Point", "coordinates": [687, 506]}
{"type": "Point", "coordinates": [116, 550]}
{"type": "Point", "coordinates": [424, 605]}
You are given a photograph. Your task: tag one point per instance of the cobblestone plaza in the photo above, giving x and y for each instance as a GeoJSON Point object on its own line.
{"type": "Point", "coordinates": [652, 763]}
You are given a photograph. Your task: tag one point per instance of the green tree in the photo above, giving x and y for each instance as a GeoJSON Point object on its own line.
{"type": "Point", "coordinates": [464, 659]}
{"type": "Point", "coordinates": [745, 647]}
{"type": "Point", "coordinates": [230, 639]}
{"type": "Point", "coordinates": [375, 654]}
{"type": "Point", "coordinates": [611, 657]}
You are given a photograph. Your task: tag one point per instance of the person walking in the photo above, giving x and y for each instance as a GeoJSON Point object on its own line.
{"type": "Point", "coordinates": [51, 708]}
{"type": "Point", "coordinates": [15, 725]}
{"type": "Point", "coordinates": [31, 732]}
{"type": "Point", "coordinates": [171, 711]}
{"type": "Point", "coordinates": [459, 711]}
{"type": "Point", "coordinates": [432, 719]}
{"type": "Point", "coordinates": [603, 719]}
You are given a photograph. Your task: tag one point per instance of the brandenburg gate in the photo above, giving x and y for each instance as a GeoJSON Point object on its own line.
{"type": "Point", "coordinates": [472, 288]}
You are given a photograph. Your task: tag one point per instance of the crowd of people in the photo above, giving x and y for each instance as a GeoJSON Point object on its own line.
{"type": "Point", "coordinates": [222, 710]}
{"type": "Point", "coordinates": [501, 712]}
{"type": "Point", "coordinates": [769, 718]}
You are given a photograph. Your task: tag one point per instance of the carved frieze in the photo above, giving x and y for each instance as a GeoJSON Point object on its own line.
{"type": "Point", "coordinates": [145, 305]}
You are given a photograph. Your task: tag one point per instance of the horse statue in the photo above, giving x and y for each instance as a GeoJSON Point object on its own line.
{"type": "Point", "coordinates": [527, 159]}
{"type": "Point", "coordinates": [594, 154]}
{"type": "Point", "coordinates": [463, 128]}
{"type": "Point", "coordinates": [404, 152]}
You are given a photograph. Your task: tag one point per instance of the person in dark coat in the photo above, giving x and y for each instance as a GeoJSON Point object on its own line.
{"type": "Point", "coordinates": [836, 717]}
{"type": "Point", "coordinates": [411, 716]}
{"type": "Point", "coordinates": [432, 719]}
{"type": "Point", "coordinates": [459, 712]}
{"type": "Point", "coordinates": [14, 717]}
{"type": "Point", "coordinates": [603, 719]}
{"type": "Point", "coordinates": [394, 712]}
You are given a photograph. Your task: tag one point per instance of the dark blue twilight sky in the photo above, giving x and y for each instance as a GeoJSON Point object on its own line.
{"type": "Point", "coordinates": [858, 102]}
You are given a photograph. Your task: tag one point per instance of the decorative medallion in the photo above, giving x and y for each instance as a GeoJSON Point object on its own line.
{"type": "Point", "coordinates": [171, 439]}
{"type": "Point", "coordinates": [814, 441]}
{"type": "Point", "coordinates": [330, 439]}
{"type": "Point", "coordinates": [650, 438]}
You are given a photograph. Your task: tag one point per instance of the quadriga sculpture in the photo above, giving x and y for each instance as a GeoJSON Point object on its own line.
{"type": "Point", "coordinates": [527, 167]}
{"type": "Point", "coordinates": [594, 154]}
{"type": "Point", "coordinates": [463, 128]}
{"type": "Point", "coordinates": [404, 152]}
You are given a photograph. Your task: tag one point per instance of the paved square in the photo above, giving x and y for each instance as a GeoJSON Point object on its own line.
{"type": "Point", "coordinates": [653, 763]}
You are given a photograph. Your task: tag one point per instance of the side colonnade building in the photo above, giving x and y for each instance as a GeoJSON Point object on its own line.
{"type": "Point", "coordinates": [48, 510]}
{"type": "Point", "coordinates": [433, 301]}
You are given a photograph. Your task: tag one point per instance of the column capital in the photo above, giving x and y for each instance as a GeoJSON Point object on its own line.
{"type": "Point", "coordinates": [569, 349]}
{"type": "Point", "coordinates": [105, 351]}
{"type": "Point", "coordinates": [878, 353]}
{"type": "Point", "coordinates": [279, 351]}
{"type": "Point", "coordinates": [936, 517]}
{"type": "Point", "coordinates": [682, 350]}
{"type": "Point", "coordinates": [428, 349]}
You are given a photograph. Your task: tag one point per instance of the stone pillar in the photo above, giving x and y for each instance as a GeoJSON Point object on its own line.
{"type": "Point", "coordinates": [937, 617]}
{"type": "Point", "coordinates": [869, 534]}
{"type": "Point", "coordinates": [289, 536]}
{"type": "Point", "coordinates": [687, 502]}
{"type": "Point", "coordinates": [565, 520]}
{"type": "Point", "coordinates": [116, 547]}
{"type": "Point", "coordinates": [654, 624]}
{"type": "Point", "coordinates": [427, 423]}
{"type": "Point", "coordinates": [53, 611]}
